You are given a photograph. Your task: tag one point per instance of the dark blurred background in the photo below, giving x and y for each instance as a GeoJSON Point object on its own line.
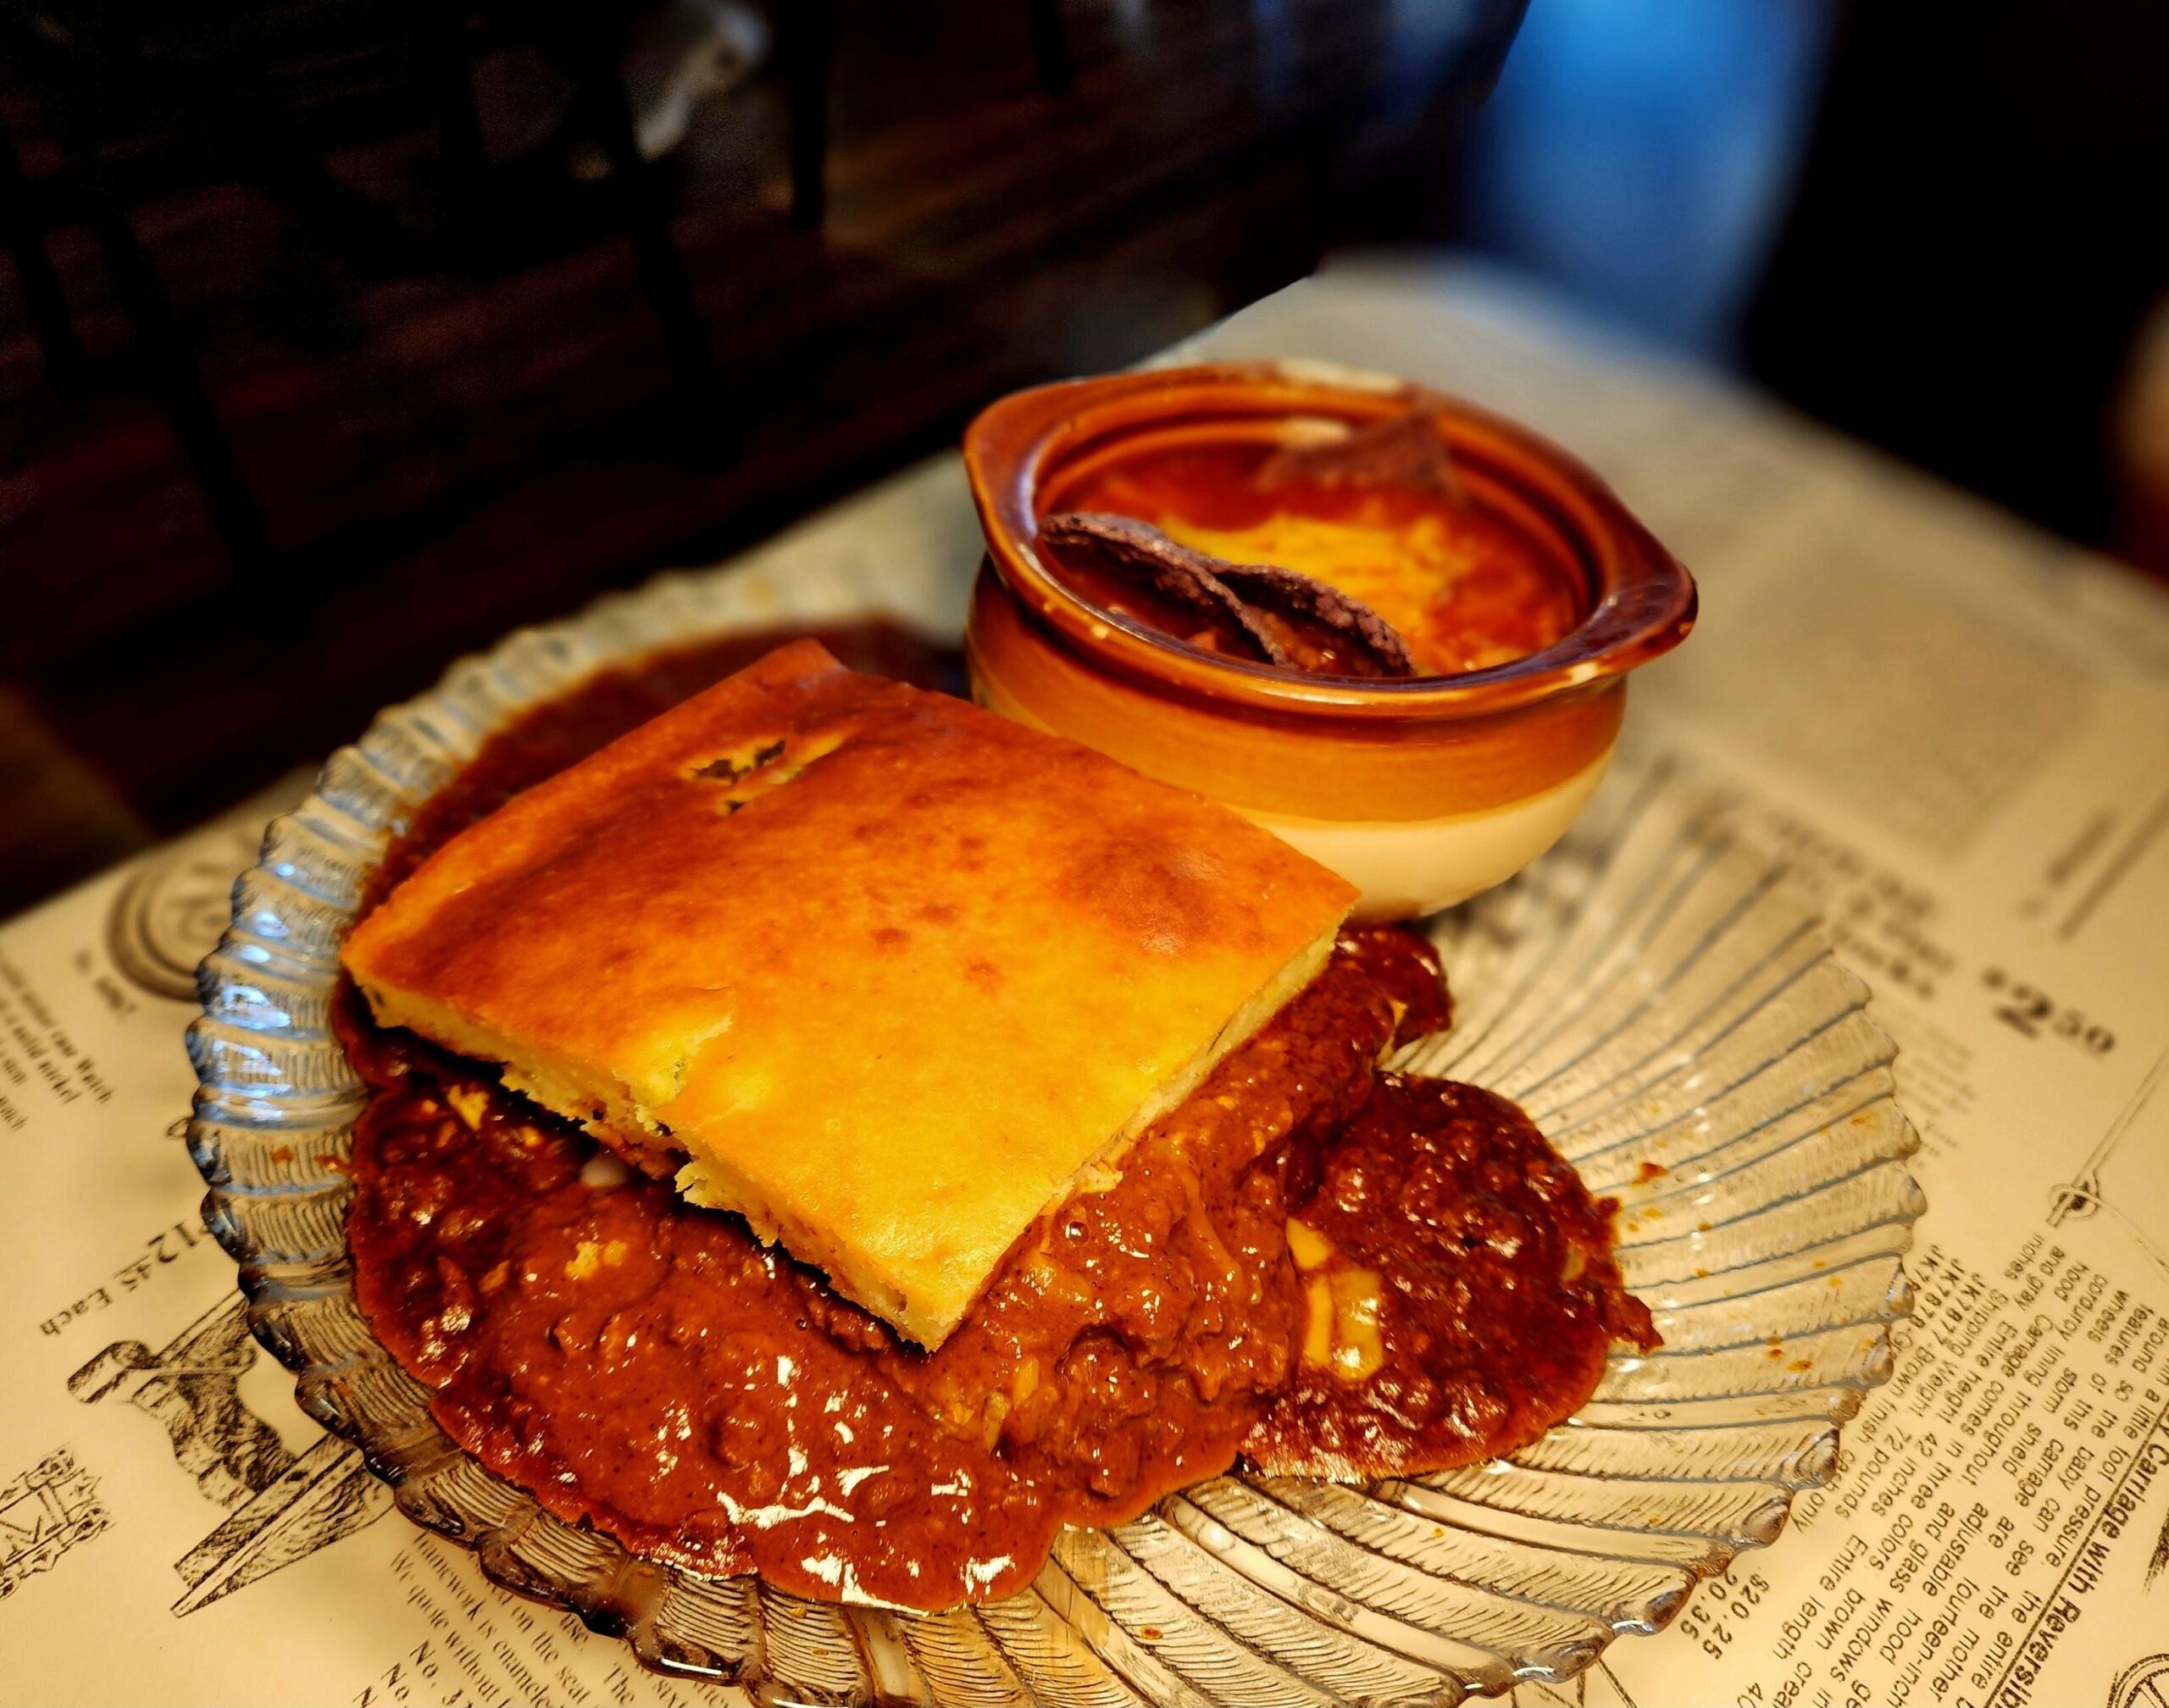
{"type": "Point", "coordinates": [434, 319]}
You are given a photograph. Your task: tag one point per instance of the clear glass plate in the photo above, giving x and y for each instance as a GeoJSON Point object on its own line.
{"type": "Point", "coordinates": [1649, 990]}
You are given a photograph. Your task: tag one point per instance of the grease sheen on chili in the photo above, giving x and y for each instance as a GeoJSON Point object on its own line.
{"type": "Point", "coordinates": [1311, 1267]}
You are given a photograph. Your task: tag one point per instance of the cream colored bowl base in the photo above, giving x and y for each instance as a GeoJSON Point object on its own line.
{"type": "Point", "coordinates": [1406, 867]}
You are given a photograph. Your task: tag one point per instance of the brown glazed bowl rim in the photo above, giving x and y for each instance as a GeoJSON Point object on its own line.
{"type": "Point", "coordinates": [1642, 603]}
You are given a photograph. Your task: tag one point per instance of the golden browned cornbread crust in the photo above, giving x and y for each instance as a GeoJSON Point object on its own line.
{"type": "Point", "coordinates": [890, 975]}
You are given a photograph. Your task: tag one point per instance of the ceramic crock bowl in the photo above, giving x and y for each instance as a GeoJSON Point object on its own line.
{"type": "Point", "coordinates": [1420, 791]}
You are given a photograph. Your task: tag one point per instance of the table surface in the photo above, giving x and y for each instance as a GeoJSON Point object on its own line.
{"type": "Point", "coordinates": [1956, 729]}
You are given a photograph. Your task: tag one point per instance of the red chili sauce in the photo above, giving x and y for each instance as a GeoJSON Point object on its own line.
{"type": "Point", "coordinates": [650, 1368]}
{"type": "Point", "coordinates": [1465, 590]}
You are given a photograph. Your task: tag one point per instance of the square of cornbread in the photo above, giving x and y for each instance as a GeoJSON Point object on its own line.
{"type": "Point", "coordinates": [886, 974]}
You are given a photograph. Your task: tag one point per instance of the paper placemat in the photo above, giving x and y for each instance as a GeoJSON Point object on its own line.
{"type": "Point", "coordinates": [1954, 727]}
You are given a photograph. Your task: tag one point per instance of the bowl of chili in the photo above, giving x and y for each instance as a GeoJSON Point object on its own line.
{"type": "Point", "coordinates": [1188, 568]}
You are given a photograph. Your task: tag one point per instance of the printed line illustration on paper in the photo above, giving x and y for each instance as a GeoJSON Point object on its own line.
{"type": "Point", "coordinates": [2086, 1194]}
{"type": "Point", "coordinates": [1596, 1686]}
{"type": "Point", "coordinates": [2144, 1684]}
{"type": "Point", "coordinates": [168, 915]}
{"type": "Point", "coordinates": [281, 1505]}
{"type": "Point", "coordinates": [51, 1508]}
